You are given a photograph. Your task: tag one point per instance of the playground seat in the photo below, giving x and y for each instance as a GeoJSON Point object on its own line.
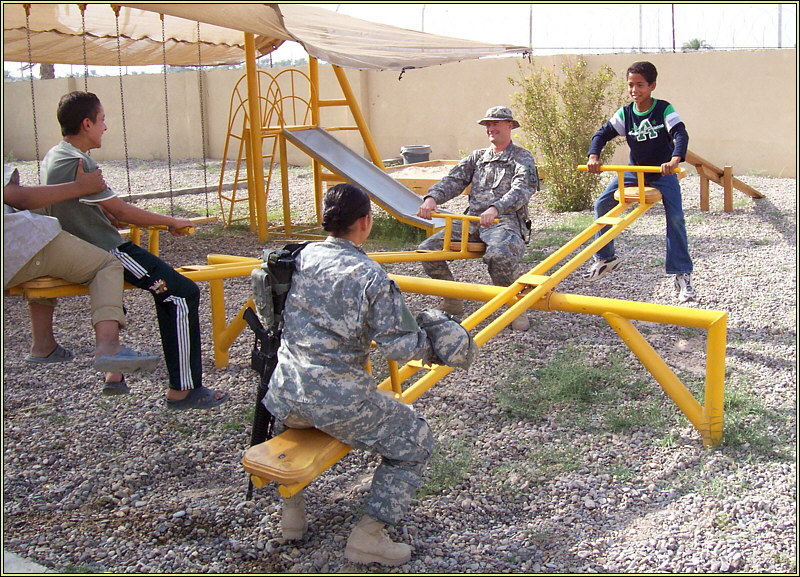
{"type": "Point", "coordinates": [52, 287]}
{"type": "Point", "coordinates": [49, 287]}
{"type": "Point", "coordinates": [43, 282]}
{"type": "Point", "coordinates": [651, 195]}
{"type": "Point", "coordinates": [471, 246]}
{"type": "Point", "coordinates": [294, 458]}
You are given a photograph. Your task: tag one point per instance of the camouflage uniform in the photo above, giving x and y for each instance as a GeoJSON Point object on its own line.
{"type": "Point", "coordinates": [506, 181]}
{"type": "Point", "coordinates": [340, 301]}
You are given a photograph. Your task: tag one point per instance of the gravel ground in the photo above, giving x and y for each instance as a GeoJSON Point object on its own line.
{"type": "Point", "coordinates": [611, 480]}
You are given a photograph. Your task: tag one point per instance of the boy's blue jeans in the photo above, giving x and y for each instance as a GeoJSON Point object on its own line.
{"type": "Point", "coordinates": [678, 259]}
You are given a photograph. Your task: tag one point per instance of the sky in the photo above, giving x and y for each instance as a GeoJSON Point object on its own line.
{"type": "Point", "coordinates": [568, 27]}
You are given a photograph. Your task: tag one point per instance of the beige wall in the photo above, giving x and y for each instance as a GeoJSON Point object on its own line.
{"type": "Point", "coordinates": [739, 108]}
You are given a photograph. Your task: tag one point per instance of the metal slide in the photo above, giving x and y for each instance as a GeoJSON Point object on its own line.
{"type": "Point", "coordinates": [384, 190]}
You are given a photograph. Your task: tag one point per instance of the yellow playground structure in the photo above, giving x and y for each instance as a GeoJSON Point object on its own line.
{"type": "Point", "coordinates": [287, 108]}
{"type": "Point", "coordinates": [266, 114]}
{"type": "Point", "coordinates": [297, 456]}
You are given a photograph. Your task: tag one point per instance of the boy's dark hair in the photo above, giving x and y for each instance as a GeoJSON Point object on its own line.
{"type": "Point", "coordinates": [73, 108]}
{"type": "Point", "coordinates": [342, 206]}
{"type": "Point", "coordinates": [646, 69]}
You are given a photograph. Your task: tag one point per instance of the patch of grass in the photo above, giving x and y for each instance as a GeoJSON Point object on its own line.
{"type": "Point", "coordinates": [556, 235]}
{"type": "Point", "coordinates": [747, 420]}
{"type": "Point", "coordinates": [554, 461]}
{"type": "Point", "coordinates": [691, 332]}
{"type": "Point", "coordinates": [627, 416]}
{"type": "Point", "coordinates": [787, 561]}
{"type": "Point", "coordinates": [747, 424]}
{"type": "Point", "coordinates": [512, 474]}
{"type": "Point", "coordinates": [569, 378]}
{"type": "Point", "coordinates": [58, 418]}
{"type": "Point", "coordinates": [239, 423]}
{"type": "Point", "coordinates": [219, 230]}
{"type": "Point", "coordinates": [539, 538]}
{"type": "Point", "coordinates": [533, 256]}
{"type": "Point", "coordinates": [183, 429]}
{"type": "Point", "coordinates": [449, 465]}
{"type": "Point", "coordinates": [667, 441]}
{"type": "Point", "coordinates": [180, 211]}
{"type": "Point", "coordinates": [622, 473]}
{"type": "Point", "coordinates": [722, 520]}
{"type": "Point", "coordinates": [276, 215]}
{"type": "Point", "coordinates": [696, 218]}
{"type": "Point", "coordinates": [391, 234]}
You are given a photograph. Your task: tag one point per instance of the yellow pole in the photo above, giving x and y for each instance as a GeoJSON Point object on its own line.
{"type": "Point", "coordinates": [313, 78]}
{"type": "Point", "coordinates": [715, 379]}
{"type": "Point", "coordinates": [217, 301]}
{"type": "Point", "coordinates": [287, 209]}
{"type": "Point", "coordinates": [255, 160]}
{"type": "Point", "coordinates": [251, 182]}
{"type": "Point", "coordinates": [316, 165]}
{"type": "Point", "coordinates": [350, 96]}
{"type": "Point", "coordinates": [660, 371]}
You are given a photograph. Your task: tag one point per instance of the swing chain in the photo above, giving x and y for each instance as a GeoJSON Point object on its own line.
{"type": "Point", "coordinates": [33, 95]}
{"type": "Point", "coordinates": [122, 104]}
{"type": "Point", "coordinates": [202, 119]}
{"type": "Point", "coordinates": [166, 112]}
{"type": "Point", "coordinates": [85, 59]}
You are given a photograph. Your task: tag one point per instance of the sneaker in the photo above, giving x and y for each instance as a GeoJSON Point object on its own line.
{"type": "Point", "coordinates": [601, 268]}
{"type": "Point", "coordinates": [684, 288]}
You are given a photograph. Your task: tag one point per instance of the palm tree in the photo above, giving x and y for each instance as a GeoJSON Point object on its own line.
{"type": "Point", "coordinates": [696, 44]}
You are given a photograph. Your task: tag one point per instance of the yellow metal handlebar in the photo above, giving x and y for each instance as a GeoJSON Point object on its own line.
{"type": "Point", "coordinates": [466, 217]}
{"type": "Point", "coordinates": [186, 229]}
{"type": "Point", "coordinates": [626, 168]}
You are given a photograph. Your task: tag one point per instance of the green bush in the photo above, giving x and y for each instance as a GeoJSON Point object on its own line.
{"type": "Point", "coordinates": [558, 114]}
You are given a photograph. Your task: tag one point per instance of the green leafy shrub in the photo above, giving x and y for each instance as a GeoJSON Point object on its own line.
{"type": "Point", "coordinates": [559, 113]}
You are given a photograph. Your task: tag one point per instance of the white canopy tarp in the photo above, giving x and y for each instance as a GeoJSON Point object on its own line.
{"type": "Point", "coordinates": [62, 34]}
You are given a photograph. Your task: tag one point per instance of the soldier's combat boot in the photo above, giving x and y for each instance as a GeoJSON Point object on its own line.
{"type": "Point", "coordinates": [453, 307]}
{"type": "Point", "coordinates": [369, 543]}
{"type": "Point", "coordinates": [521, 323]}
{"type": "Point", "coordinates": [293, 517]}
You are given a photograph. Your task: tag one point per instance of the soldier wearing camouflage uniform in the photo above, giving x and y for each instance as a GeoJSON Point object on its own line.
{"type": "Point", "coordinates": [341, 301]}
{"type": "Point", "coordinates": [503, 178]}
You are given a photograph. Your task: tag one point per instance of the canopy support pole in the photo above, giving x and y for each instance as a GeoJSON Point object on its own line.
{"type": "Point", "coordinates": [255, 161]}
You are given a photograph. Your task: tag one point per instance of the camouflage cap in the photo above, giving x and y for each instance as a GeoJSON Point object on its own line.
{"type": "Point", "coordinates": [499, 113]}
{"type": "Point", "coordinates": [451, 342]}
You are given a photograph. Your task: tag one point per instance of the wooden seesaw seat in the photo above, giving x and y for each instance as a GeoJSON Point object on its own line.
{"type": "Point", "coordinates": [651, 195]}
{"type": "Point", "coordinates": [294, 459]}
{"type": "Point", "coordinates": [49, 287]}
{"type": "Point", "coordinates": [477, 247]}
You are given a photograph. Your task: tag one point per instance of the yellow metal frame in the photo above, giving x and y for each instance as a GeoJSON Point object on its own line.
{"type": "Point", "coordinates": [534, 290]}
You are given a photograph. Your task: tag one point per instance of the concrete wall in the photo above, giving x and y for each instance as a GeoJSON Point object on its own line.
{"type": "Point", "coordinates": [739, 108]}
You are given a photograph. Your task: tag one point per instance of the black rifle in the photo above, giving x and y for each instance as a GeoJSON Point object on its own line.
{"type": "Point", "coordinates": [264, 356]}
